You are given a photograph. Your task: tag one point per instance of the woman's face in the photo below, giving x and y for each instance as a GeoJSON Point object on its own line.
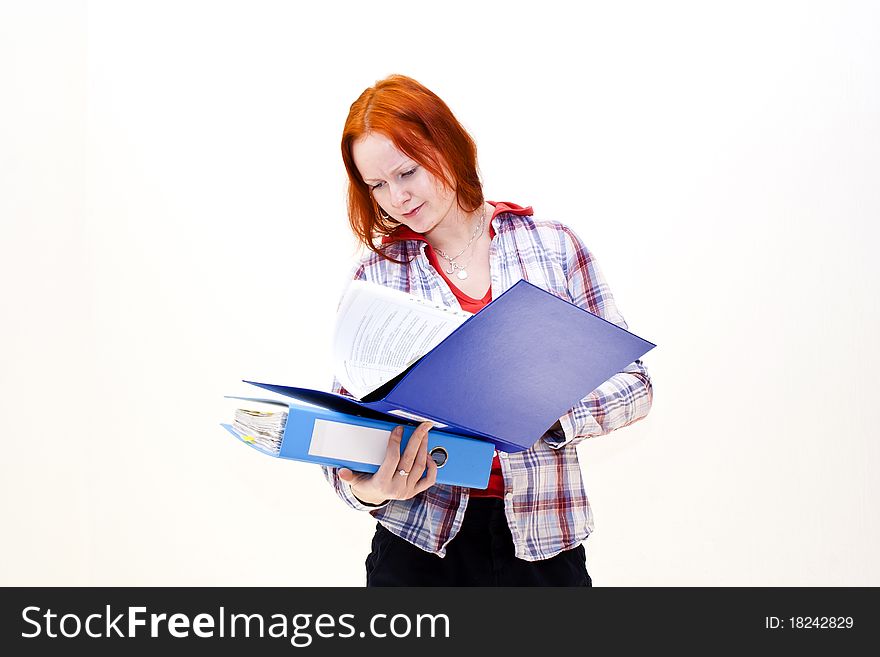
{"type": "Point", "coordinates": [401, 186]}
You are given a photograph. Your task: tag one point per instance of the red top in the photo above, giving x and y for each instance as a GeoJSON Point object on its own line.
{"type": "Point", "coordinates": [469, 304]}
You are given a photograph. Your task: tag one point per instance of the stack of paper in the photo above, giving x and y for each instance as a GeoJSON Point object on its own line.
{"type": "Point", "coordinates": [260, 423]}
{"type": "Point", "coordinates": [380, 332]}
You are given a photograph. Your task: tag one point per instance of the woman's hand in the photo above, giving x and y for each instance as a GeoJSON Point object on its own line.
{"type": "Point", "coordinates": [400, 475]}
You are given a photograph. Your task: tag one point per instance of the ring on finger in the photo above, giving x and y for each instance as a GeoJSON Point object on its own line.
{"type": "Point", "coordinates": [403, 473]}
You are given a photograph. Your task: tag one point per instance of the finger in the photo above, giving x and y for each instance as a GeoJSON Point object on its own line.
{"type": "Point", "coordinates": [350, 477]}
{"type": "Point", "coordinates": [389, 468]}
{"type": "Point", "coordinates": [418, 466]}
{"type": "Point", "coordinates": [412, 447]}
{"type": "Point", "coordinates": [429, 479]}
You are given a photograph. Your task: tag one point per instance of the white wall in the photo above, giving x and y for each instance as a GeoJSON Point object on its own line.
{"type": "Point", "coordinates": [172, 213]}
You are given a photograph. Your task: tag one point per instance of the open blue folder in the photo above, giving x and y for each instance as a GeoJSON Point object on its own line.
{"type": "Point", "coordinates": [505, 375]}
{"type": "Point", "coordinates": [326, 437]}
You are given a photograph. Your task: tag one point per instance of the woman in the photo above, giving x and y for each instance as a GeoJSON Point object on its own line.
{"type": "Point", "coordinates": [416, 202]}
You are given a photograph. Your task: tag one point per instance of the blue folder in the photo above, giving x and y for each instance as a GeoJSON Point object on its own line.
{"type": "Point", "coordinates": [506, 375]}
{"type": "Point", "coordinates": [327, 437]}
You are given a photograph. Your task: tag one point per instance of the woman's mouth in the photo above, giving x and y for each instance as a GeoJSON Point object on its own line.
{"type": "Point", "coordinates": [413, 213]}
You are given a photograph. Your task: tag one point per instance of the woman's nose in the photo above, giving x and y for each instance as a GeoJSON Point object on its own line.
{"type": "Point", "coordinates": [399, 195]}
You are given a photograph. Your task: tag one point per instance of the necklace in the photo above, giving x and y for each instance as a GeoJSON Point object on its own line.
{"type": "Point", "coordinates": [453, 265]}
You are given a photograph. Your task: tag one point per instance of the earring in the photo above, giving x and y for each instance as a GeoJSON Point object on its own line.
{"type": "Point", "coordinates": [383, 214]}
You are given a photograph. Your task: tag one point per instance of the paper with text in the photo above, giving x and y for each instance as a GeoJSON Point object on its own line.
{"type": "Point", "coordinates": [380, 332]}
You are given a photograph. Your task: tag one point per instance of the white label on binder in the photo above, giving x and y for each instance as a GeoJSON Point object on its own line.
{"type": "Point", "coordinates": [348, 442]}
{"type": "Point", "coordinates": [417, 418]}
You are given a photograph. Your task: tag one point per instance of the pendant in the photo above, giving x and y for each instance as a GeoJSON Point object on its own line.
{"type": "Point", "coordinates": [462, 274]}
{"type": "Point", "coordinates": [451, 269]}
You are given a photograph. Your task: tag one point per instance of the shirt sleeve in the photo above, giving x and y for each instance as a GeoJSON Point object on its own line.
{"type": "Point", "coordinates": [342, 488]}
{"type": "Point", "coordinates": [624, 398]}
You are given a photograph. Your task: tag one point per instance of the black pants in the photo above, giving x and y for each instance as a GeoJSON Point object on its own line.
{"type": "Point", "coordinates": [481, 554]}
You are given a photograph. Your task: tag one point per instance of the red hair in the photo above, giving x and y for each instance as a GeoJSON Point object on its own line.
{"type": "Point", "coordinates": [421, 126]}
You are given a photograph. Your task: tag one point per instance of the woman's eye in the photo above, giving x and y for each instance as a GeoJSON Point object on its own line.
{"type": "Point", "coordinates": [405, 174]}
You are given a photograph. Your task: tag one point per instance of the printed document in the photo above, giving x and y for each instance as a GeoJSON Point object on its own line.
{"type": "Point", "coordinates": [380, 332]}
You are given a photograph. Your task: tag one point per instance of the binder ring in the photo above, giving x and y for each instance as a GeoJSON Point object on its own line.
{"type": "Point", "coordinates": [440, 456]}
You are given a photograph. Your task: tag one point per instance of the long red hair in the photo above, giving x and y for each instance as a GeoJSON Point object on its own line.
{"type": "Point", "coordinates": [421, 126]}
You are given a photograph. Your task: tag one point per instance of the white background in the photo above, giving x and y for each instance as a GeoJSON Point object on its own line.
{"type": "Point", "coordinates": [173, 221]}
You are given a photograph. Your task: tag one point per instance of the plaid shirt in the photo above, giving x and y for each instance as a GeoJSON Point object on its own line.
{"type": "Point", "coordinates": [544, 499]}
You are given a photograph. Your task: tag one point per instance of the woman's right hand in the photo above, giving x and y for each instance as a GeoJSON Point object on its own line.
{"type": "Point", "coordinates": [400, 475]}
